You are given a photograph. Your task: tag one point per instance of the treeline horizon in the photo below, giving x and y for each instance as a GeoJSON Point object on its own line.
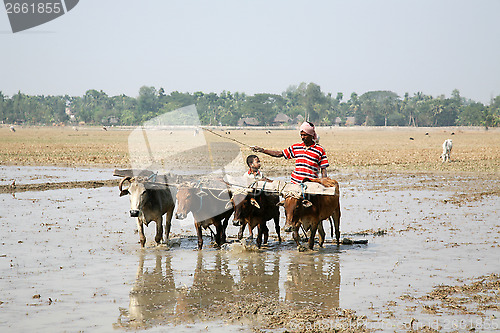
{"type": "Point", "coordinates": [303, 101]}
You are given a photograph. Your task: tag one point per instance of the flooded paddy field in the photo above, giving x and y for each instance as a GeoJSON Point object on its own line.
{"type": "Point", "coordinates": [70, 261]}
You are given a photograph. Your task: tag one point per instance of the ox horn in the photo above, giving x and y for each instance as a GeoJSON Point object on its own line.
{"type": "Point", "coordinates": [120, 186]}
{"type": "Point", "coordinates": [254, 202]}
{"type": "Point", "coordinates": [229, 204]}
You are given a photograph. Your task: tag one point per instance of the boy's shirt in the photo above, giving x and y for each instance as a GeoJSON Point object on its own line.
{"type": "Point", "coordinates": [253, 177]}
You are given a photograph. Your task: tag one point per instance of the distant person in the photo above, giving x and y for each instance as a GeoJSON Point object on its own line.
{"type": "Point", "coordinates": [310, 157]}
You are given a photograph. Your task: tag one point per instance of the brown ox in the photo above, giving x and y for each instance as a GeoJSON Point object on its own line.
{"type": "Point", "coordinates": [255, 209]}
{"type": "Point", "coordinates": [207, 208]}
{"type": "Point", "coordinates": [312, 211]}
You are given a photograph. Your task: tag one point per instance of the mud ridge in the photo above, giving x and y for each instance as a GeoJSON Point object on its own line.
{"type": "Point", "coordinates": [58, 186]}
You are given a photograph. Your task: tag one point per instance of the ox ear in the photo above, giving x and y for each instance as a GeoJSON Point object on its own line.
{"type": "Point", "coordinates": [201, 193]}
{"type": "Point", "coordinates": [306, 203]}
{"type": "Point", "coordinates": [281, 203]}
{"type": "Point", "coordinates": [124, 192]}
{"type": "Point", "coordinates": [229, 205]}
{"type": "Point", "coordinates": [254, 202]}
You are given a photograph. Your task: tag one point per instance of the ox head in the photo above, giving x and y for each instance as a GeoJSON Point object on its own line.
{"type": "Point", "coordinates": [295, 207]}
{"type": "Point", "coordinates": [243, 202]}
{"type": "Point", "coordinates": [138, 194]}
{"type": "Point", "coordinates": [189, 199]}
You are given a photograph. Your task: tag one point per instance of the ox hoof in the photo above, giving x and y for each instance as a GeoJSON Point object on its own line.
{"type": "Point", "coordinates": [301, 248]}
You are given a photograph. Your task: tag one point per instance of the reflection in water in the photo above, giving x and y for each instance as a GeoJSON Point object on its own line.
{"type": "Point", "coordinates": [212, 283]}
{"type": "Point", "coordinates": [225, 280]}
{"type": "Point", "coordinates": [153, 295]}
{"type": "Point", "coordinates": [259, 274]}
{"type": "Point", "coordinates": [314, 280]}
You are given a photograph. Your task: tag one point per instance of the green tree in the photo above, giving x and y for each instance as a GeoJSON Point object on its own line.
{"type": "Point", "coordinates": [492, 114]}
{"type": "Point", "coordinates": [314, 103]}
{"type": "Point", "coordinates": [472, 114]}
{"type": "Point", "coordinates": [3, 107]}
{"type": "Point", "coordinates": [377, 107]}
{"type": "Point", "coordinates": [147, 103]}
{"type": "Point", "coordinates": [264, 107]}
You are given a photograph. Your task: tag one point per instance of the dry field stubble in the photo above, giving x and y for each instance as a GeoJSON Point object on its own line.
{"type": "Point", "coordinates": [388, 149]}
{"type": "Point", "coordinates": [401, 149]}
{"type": "Point", "coordinates": [63, 146]}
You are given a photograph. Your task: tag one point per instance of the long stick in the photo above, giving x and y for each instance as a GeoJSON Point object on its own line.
{"type": "Point", "coordinates": [225, 137]}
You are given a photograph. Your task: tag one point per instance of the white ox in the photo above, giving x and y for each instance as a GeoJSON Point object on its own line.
{"type": "Point", "coordinates": [447, 145]}
{"type": "Point", "coordinates": [149, 202]}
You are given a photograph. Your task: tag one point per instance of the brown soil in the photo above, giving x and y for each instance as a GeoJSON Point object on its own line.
{"type": "Point", "coordinates": [471, 298]}
{"type": "Point", "coordinates": [57, 186]}
{"type": "Point", "coordinates": [271, 314]}
{"type": "Point", "coordinates": [390, 149]}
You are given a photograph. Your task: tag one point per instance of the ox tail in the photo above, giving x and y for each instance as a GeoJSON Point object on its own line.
{"type": "Point", "coordinates": [304, 231]}
{"type": "Point", "coordinates": [212, 234]}
{"type": "Point", "coordinates": [331, 226]}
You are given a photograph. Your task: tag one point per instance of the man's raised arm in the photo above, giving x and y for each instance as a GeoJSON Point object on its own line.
{"type": "Point", "coordinates": [274, 153]}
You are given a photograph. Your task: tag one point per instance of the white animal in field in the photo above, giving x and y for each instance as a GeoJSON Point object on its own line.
{"type": "Point", "coordinates": [149, 202]}
{"type": "Point", "coordinates": [447, 145]}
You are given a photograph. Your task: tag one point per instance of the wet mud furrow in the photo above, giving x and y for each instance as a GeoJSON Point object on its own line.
{"type": "Point", "coordinates": [57, 186]}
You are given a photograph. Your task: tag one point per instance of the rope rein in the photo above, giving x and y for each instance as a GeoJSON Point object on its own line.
{"type": "Point", "coordinates": [152, 178]}
{"type": "Point", "coordinates": [201, 204]}
{"type": "Point", "coordinates": [213, 195]}
{"type": "Point", "coordinates": [303, 187]}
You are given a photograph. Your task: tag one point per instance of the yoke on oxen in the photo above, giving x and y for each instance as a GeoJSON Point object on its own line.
{"type": "Point", "coordinates": [280, 187]}
{"type": "Point", "coordinates": [284, 189]}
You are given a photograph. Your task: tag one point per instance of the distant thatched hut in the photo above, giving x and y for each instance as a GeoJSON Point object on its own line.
{"type": "Point", "coordinates": [248, 121]}
{"type": "Point", "coordinates": [281, 119]}
{"type": "Point", "coordinates": [299, 119]}
{"type": "Point", "coordinates": [351, 121]}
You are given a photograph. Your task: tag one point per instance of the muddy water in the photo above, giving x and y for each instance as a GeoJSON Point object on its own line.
{"type": "Point", "coordinates": [70, 261]}
{"type": "Point", "coordinates": [39, 175]}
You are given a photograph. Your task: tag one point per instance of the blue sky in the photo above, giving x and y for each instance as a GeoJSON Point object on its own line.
{"type": "Point", "coordinates": [258, 46]}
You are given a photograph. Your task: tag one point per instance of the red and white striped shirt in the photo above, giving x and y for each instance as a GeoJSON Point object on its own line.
{"type": "Point", "coordinates": [308, 160]}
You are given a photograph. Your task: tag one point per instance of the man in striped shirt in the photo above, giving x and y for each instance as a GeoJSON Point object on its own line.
{"type": "Point", "coordinates": [310, 157]}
